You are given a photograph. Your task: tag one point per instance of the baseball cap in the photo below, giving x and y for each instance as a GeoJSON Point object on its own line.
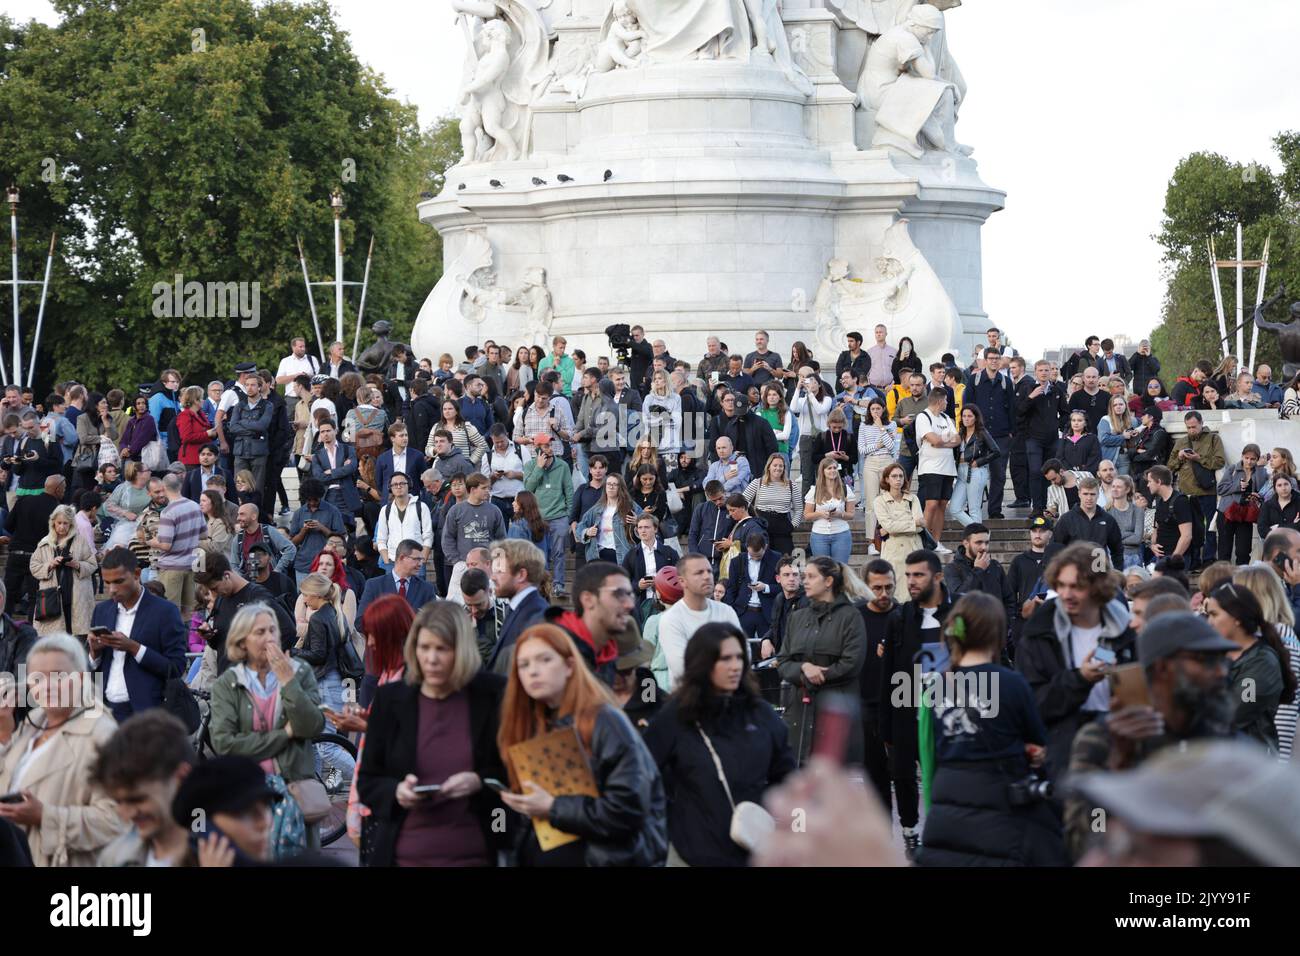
{"type": "Point", "coordinates": [1230, 790]}
{"type": "Point", "coordinates": [1180, 631]}
{"type": "Point", "coordinates": [1039, 521]}
{"type": "Point", "coordinates": [221, 785]}
{"type": "Point", "coordinates": [667, 585]}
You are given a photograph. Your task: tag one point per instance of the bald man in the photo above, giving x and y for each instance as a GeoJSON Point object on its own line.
{"type": "Point", "coordinates": [249, 531]}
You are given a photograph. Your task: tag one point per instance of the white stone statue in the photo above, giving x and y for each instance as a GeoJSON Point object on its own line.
{"type": "Point", "coordinates": [912, 84]}
{"type": "Point", "coordinates": [536, 298]}
{"type": "Point", "coordinates": [624, 44]}
{"type": "Point", "coordinates": [508, 46]}
{"type": "Point", "coordinates": [905, 295]}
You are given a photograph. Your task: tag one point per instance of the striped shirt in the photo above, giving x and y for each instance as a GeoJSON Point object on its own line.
{"type": "Point", "coordinates": [180, 526]}
{"type": "Point", "coordinates": [1287, 712]}
{"type": "Point", "coordinates": [875, 441]}
{"type": "Point", "coordinates": [771, 497]}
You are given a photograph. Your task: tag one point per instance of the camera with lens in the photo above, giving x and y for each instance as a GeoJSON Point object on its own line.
{"type": "Point", "coordinates": [620, 342]}
{"type": "Point", "coordinates": [1030, 790]}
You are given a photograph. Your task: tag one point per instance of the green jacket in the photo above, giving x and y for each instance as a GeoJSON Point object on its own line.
{"type": "Point", "coordinates": [566, 368]}
{"type": "Point", "coordinates": [231, 726]}
{"type": "Point", "coordinates": [1209, 446]}
{"type": "Point", "coordinates": [553, 487]}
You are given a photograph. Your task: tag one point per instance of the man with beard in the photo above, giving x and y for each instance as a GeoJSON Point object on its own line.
{"type": "Point", "coordinates": [877, 614]}
{"type": "Point", "coordinates": [916, 628]}
{"type": "Point", "coordinates": [603, 600]}
{"type": "Point", "coordinates": [1185, 663]}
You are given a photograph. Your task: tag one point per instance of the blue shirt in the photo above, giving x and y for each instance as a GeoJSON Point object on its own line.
{"type": "Point", "coordinates": [718, 470]}
{"type": "Point", "coordinates": [1270, 394]}
{"type": "Point", "coordinates": [314, 542]}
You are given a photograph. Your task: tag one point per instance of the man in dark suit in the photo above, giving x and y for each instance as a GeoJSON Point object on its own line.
{"type": "Point", "coordinates": [752, 586]}
{"type": "Point", "coordinates": [404, 580]}
{"type": "Point", "coordinates": [334, 464]}
{"type": "Point", "coordinates": [1110, 362]}
{"type": "Point", "coordinates": [644, 560]}
{"type": "Point", "coordinates": [136, 639]}
{"type": "Point", "coordinates": [197, 478]}
{"type": "Point", "coordinates": [518, 567]}
{"type": "Point", "coordinates": [401, 457]}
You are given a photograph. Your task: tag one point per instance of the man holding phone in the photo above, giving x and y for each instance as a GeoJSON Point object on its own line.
{"type": "Point", "coordinates": [1069, 646]}
{"type": "Point", "coordinates": [1176, 692]}
{"type": "Point", "coordinates": [752, 586]}
{"type": "Point", "coordinates": [312, 524]}
{"type": "Point", "coordinates": [644, 561]}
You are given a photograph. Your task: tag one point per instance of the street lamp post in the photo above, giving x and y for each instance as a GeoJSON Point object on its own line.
{"type": "Point", "coordinates": [336, 203]}
{"type": "Point", "coordinates": [12, 196]}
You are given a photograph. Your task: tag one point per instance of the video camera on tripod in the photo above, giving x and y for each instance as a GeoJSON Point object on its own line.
{"type": "Point", "coordinates": [620, 342]}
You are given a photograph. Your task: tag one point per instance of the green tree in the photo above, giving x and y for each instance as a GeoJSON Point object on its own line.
{"type": "Point", "coordinates": [201, 137]}
{"type": "Point", "coordinates": [1207, 196]}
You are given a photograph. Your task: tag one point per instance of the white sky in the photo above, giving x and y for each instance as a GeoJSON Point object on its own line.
{"type": "Point", "coordinates": [1079, 110]}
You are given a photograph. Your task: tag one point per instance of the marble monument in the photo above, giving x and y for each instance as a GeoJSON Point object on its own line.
{"type": "Point", "coordinates": [708, 167]}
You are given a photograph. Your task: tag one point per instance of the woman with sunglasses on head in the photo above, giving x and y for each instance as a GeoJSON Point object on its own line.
{"type": "Point", "coordinates": [717, 744]}
{"type": "Point", "coordinates": [1260, 674]}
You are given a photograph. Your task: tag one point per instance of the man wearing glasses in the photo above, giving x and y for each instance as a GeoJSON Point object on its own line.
{"type": "Point", "coordinates": [402, 518]}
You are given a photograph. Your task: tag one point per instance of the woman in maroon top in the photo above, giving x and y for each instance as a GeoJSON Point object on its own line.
{"type": "Point", "coordinates": [438, 726]}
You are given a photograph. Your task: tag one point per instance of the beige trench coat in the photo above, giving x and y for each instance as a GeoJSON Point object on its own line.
{"type": "Point", "coordinates": [83, 589]}
{"type": "Point", "coordinates": [78, 820]}
{"type": "Point", "coordinates": [901, 521]}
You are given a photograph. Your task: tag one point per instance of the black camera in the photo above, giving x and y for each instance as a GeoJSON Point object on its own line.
{"type": "Point", "coordinates": [620, 343]}
{"type": "Point", "coordinates": [1032, 789]}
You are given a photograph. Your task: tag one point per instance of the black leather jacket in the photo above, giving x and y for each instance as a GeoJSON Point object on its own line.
{"type": "Point", "coordinates": [980, 450]}
{"type": "Point", "coordinates": [627, 825]}
{"type": "Point", "coordinates": [320, 647]}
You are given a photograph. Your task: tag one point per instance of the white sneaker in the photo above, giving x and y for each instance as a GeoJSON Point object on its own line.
{"type": "Point", "coordinates": [872, 552]}
{"type": "Point", "coordinates": [940, 549]}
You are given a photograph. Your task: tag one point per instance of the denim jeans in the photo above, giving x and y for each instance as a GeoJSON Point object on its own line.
{"type": "Point", "coordinates": [838, 546]}
{"type": "Point", "coordinates": [967, 505]}
{"type": "Point", "coordinates": [332, 755]}
{"type": "Point", "coordinates": [557, 535]}
{"type": "Point", "coordinates": [1038, 451]}
{"type": "Point", "coordinates": [580, 459]}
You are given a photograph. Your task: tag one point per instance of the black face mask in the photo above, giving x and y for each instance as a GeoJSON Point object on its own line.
{"type": "Point", "coordinates": [1209, 711]}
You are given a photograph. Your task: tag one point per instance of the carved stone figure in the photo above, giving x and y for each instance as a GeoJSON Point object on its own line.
{"type": "Point", "coordinates": [508, 47]}
{"type": "Point", "coordinates": [536, 298]}
{"type": "Point", "coordinates": [1288, 333]}
{"type": "Point", "coordinates": [904, 294]}
{"type": "Point", "coordinates": [377, 357]}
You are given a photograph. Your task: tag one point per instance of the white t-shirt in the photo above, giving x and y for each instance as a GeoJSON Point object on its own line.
{"type": "Point", "coordinates": [934, 460]}
{"type": "Point", "coordinates": [1083, 641]}
{"type": "Point", "coordinates": [605, 538]}
{"type": "Point", "coordinates": [292, 365]}
{"type": "Point", "coordinates": [678, 625]}
{"type": "Point", "coordinates": [828, 525]}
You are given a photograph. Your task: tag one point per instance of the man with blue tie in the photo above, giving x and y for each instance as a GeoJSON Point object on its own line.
{"type": "Point", "coordinates": [752, 586]}
{"type": "Point", "coordinates": [518, 567]}
{"type": "Point", "coordinates": [136, 639]}
{"type": "Point", "coordinates": [403, 580]}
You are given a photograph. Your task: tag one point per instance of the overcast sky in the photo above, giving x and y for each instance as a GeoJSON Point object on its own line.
{"type": "Point", "coordinates": [1079, 110]}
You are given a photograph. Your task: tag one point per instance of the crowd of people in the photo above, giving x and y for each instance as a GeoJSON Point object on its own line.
{"type": "Point", "coordinates": [491, 561]}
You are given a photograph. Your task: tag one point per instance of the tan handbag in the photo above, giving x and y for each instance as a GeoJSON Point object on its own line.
{"type": "Point", "coordinates": [751, 825]}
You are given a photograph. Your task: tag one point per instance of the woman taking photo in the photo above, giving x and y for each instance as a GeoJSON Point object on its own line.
{"type": "Point", "coordinates": [907, 360]}
{"type": "Point", "coordinates": [775, 499]}
{"type": "Point", "coordinates": [976, 450]}
{"type": "Point", "coordinates": [717, 743]}
{"type": "Point", "coordinates": [1078, 448]}
{"type": "Point", "coordinates": [773, 410]}
{"type": "Point", "coordinates": [649, 496]}
{"type": "Point", "coordinates": [829, 506]}
{"type": "Point", "coordinates": [1241, 491]}
{"type": "Point", "coordinates": [96, 435]}
{"type": "Point", "coordinates": [900, 519]}
{"type": "Point", "coordinates": [987, 735]}
{"type": "Point", "coordinates": [800, 358]}
{"type": "Point", "coordinates": [64, 561]}
{"type": "Point", "coordinates": [193, 427]}
{"type": "Point", "coordinates": [1129, 517]}
{"type": "Point", "coordinates": [266, 706]}
{"type": "Point", "coordinates": [1275, 606]}
{"type": "Point", "coordinates": [606, 529]}
{"type": "Point", "coordinates": [139, 431]}
{"type": "Point", "coordinates": [47, 757]}
{"type": "Point", "coordinates": [823, 651]}
{"type": "Point", "coordinates": [551, 688]}
{"type": "Point", "coordinates": [661, 417]}
{"type": "Point", "coordinates": [528, 523]}
{"type": "Point", "coordinates": [464, 436]}
{"type": "Point", "coordinates": [1282, 510]}
{"type": "Point", "coordinates": [811, 404]}
{"type": "Point", "coordinates": [436, 728]}
{"type": "Point", "coordinates": [220, 530]}
{"type": "Point", "coordinates": [1260, 673]}
{"type": "Point", "coordinates": [1114, 431]}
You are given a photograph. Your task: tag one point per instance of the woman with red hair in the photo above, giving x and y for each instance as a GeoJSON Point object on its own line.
{"type": "Point", "coordinates": [550, 688]}
{"type": "Point", "coordinates": [328, 564]}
